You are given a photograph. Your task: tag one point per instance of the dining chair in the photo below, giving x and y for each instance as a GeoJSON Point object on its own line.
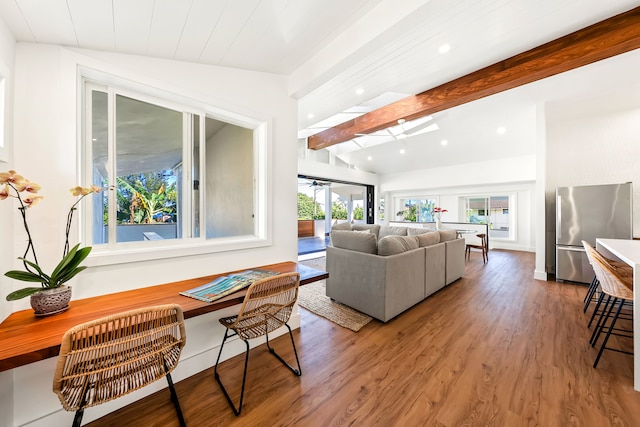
{"type": "Point", "coordinates": [620, 289]}
{"type": "Point", "coordinates": [483, 247]}
{"type": "Point", "coordinates": [266, 307]}
{"type": "Point", "coordinates": [106, 358]}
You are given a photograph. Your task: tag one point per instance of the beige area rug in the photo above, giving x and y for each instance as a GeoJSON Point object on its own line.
{"type": "Point", "coordinates": [313, 297]}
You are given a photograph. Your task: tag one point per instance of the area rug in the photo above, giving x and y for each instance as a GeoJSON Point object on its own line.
{"type": "Point", "coordinates": [313, 297]}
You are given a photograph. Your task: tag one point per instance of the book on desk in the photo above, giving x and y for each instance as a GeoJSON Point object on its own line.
{"type": "Point", "coordinates": [225, 285]}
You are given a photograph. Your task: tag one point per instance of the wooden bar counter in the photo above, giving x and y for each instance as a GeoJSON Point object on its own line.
{"type": "Point", "coordinates": [25, 338]}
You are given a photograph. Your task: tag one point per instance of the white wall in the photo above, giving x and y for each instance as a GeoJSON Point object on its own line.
{"type": "Point", "coordinates": [7, 214]}
{"type": "Point", "coordinates": [601, 148]}
{"type": "Point", "coordinates": [46, 113]}
{"type": "Point", "coordinates": [449, 184]}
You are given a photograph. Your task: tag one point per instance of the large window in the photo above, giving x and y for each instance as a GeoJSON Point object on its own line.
{"type": "Point", "coordinates": [416, 210]}
{"type": "Point", "coordinates": [492, 210]}
{"type": "Point", "coordinates": [177, 172]}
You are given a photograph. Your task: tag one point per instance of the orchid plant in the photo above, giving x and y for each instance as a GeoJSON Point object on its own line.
{"type": "Point", "coordinates": [25, 191]}
{"type": "Point", "coordinates": [437, 212]}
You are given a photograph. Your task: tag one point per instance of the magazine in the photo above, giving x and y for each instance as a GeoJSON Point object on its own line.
{"type": "Point", "coordinates": [226, 285]}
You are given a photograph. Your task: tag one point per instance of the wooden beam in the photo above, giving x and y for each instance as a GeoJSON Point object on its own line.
{"type": "Point", "coordinates": [613, 36]}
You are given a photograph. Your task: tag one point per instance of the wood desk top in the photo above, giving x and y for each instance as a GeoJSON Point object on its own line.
{"type": "Point", "coordinates": [25, 338]}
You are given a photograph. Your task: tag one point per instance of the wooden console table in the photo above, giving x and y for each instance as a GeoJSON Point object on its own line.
{"type": "Point", "coordinates": [25, 338]}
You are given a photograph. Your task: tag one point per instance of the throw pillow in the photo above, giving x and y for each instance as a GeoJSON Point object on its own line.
{"type": "Point", "coordinates": [413, 231]}
{"type": "Point", "coordinates": [446, 235]}
{"type": "Point", "coordinates": [428, 239]}
{"type": "Point", "coordinates": [373, 228]}
{"type": "Point", "coordinates": [359, 241]}
{"type": "Point", "coordinates": [341, 226]}
{"type": "Point", "coordinates": [392, 245]}
{"type": "Point", "coordinates": [387, 230]}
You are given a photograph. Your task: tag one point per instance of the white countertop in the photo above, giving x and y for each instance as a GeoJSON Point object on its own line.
{"type": "Point", "coordinates": [627, 250]}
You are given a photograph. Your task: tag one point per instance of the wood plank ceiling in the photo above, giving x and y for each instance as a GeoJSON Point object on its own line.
{"type": "Point", "coordinates": [607, 38]}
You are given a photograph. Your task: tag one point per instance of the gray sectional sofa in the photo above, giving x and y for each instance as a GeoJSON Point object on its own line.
{"type": "Point", "coordinates": [383, 271]}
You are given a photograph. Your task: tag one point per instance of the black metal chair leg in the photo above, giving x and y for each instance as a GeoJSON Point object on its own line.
{"type": "Point", "coordinates": [176, 402]}
{"type": "Point", "coordinates": [244, 375]}
{"type": "Point", "coordinates": [77, 419]}
{"type": "Point", "coordinates": [298, 371]}
{"type": "Point", "coordinates": [606, 338]}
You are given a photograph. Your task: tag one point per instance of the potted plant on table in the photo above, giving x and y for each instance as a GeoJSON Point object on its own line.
{"type": "Point", "coordinates": [52, 296]}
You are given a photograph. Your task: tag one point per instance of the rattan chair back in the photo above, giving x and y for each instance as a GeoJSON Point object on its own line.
{"type": "Point", "coordinates": [611, 281]}
{"type": "Point", "coordinates": [622, 270]}
{"type": "Point", "coordinates": [266, 307]}
{"type": "Point", "coordinates": [109, 357]}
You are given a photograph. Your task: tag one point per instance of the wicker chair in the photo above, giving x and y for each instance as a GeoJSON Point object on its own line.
{"type": "Point", "coordinates": [109, 357]}
{"type": "Point", "coordinates": [266, 307]}
{"type": "Point", "coordinates": [483, 247]}
{"type": "Point", "coordinates": [614, 286]}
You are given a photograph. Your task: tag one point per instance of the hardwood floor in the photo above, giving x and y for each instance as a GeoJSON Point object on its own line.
{"type": "Point", "coordinates": [495, 348]}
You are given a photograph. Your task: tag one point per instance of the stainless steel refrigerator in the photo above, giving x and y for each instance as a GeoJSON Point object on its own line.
{"type": "Point", "coordinates": [587, 213]}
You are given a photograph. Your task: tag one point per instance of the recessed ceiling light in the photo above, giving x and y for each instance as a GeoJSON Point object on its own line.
{"type": "Point", "coordinates": [444, 142]}
{"type": "Point", "coordinates": [501, 131]}
{"type": "Point", "coordinates": [369, 158]}
{"type": "Point", "coordinates": [310, 116]}
{"type": "Point", "coordinates": [444, 48]}
{"type": "Point", "coordinates": [359, 91]}
{"type": "Point", "coordinates": [402, 151]}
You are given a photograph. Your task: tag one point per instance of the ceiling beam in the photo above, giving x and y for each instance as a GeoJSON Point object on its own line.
{"type": "Point", "coordinates": [613, 36]}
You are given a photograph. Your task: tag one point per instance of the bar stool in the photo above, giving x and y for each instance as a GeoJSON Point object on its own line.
{"type": "Point", "coordinates": [625, 271]}
{"type": "Point", "coordinates": [616, 287]}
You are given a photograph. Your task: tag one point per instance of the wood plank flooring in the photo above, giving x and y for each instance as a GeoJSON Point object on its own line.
{"type": "Point", "coordinates": [495, 348]}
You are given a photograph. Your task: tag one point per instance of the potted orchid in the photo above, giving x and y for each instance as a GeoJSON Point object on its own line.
{"type": "Point", "coordinates": [436, 213]}
{"type": "Point", "coordinates": [26, 193]}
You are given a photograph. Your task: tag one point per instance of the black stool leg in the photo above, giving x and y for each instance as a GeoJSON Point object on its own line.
{"type": "Point", "coordinates": [604, 315]}
{"type": "Point", "coordinates": [595, 310]}
{"type": "Point", "coordinates": [606, 338]}
{"type": "Point", "coordinates": [604, 321]}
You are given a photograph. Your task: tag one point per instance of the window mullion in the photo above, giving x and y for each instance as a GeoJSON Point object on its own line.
{"type": "Point", "coordinates": [111, 168]}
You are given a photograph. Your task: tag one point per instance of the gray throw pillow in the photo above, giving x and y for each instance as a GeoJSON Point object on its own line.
{"type": "Point", "coordinates": [428, 239]}
{"type": "Point", "coordinates": [341, 226]}
{"type": "Point", "coordinates": [392, 245]}
{"type": "Point", "coordinates": [373, 228]}
{"type": "Point", "coordinates": [359, 241]}
{"type": "Point", "coordinates": [387, 230]}
{"type": "Point", "coordinates": [446, 235]}
{"type": "Point", "coordinates": [413, 231]}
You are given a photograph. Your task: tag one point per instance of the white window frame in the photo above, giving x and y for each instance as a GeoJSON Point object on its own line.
{"type": "Point", "coordinates": [123, 252]}
{"type": "Point", "coordinates": [513, 212]}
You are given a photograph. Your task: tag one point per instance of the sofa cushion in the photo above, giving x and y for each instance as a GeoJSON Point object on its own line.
{"type": "Point", "coordinates": [341, 226]}
{"type": "Point", "coordinates": [413, 231]}
{"type": "Point", "coordinates": [373, 228]}
{"type": "Point", "coordinates": [392, 245]}
{"type": "Point", "coordinates": [446, 235]}
{"type": "Point", "coordinates": [428, 239]}
{"type": "Point", "coordinates": [359, 241]}
{"type": "Point", "coordinates": [387, 230]}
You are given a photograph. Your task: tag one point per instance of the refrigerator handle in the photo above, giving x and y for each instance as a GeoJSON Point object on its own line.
{"type": "Point", "coordinates": [558, 218]}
